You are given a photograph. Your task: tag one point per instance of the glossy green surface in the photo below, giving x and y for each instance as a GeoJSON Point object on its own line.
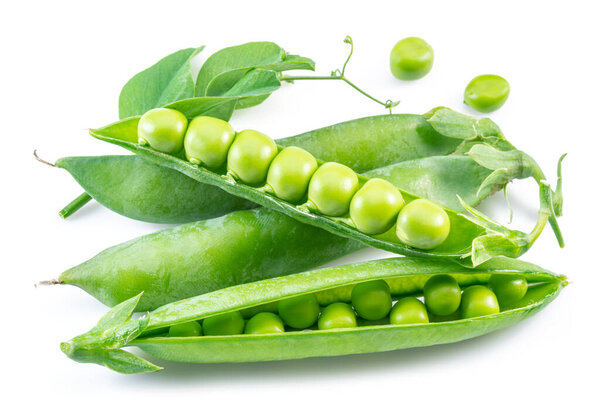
{"type": "Point", "coordinates": [299, 312]}
{"type": "Point", "coordinates": [442, 295]}
{"type": "Point", "coordinates": [337, 316]}
{"type": "Point", "coordinates": [331, 188]}
{"type": "Point", "coordinates": [250, 155]}
{"type": "Point", "coordinates": [411, 58]}
{"type": "Point", "coordinates": [406, 276]}
{"type": "Point", "coordinates": [290, 173]}
{"type": "Point", "coordinates": [207, 141]}
{"type": "Point", "coordinates": [477, 301]}
{"type": "Point", "coordinates": [138, 189]}
{"type": "Point", "coordinates": [230, 323]}
{"type": "Point", "coordinates": [423, 224]}
{"type": "Point", "coordinates": [375, 206]}
{"type": "Point", "coordinates": [508, 288]}
{"type": "Point", "coordinates": [372, 300]}
{"type": "Point", "coordinates": [192, 328]}
{"type": "Point", "coordinates": [487, 93]}
{"type": "Point", "coordinates": [264, 323]}
{"type": "Point", "coordinates": [408, 310]}
{"type": "Point", "coordinates": [163, 129]}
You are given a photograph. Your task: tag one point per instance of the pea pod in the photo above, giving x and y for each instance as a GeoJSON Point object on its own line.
{"type": "Point", "coordinates": [485, 237]}
{"type": "Point", "coordinates": [144, 191]}
{"type": "Point", "coordinates": [405, 276]}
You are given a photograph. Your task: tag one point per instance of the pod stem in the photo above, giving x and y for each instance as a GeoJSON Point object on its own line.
{"type": "Point", "coordinates": [75, 205]}
{"type": "Point", "coordinates": [42, 160]}
{"type": "Point", "coordinates": [338, 75]}
{"type": "Point", "coordinates": [50, 282]}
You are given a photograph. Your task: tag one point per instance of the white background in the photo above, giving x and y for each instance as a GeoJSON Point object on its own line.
{"type": "Point", "coordinates": [64, 63]}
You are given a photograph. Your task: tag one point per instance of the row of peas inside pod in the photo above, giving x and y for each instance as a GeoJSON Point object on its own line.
{"type": "Point", "coordinates": [371, 304]}
{"type": "Point", "coordinates": [292, 174]}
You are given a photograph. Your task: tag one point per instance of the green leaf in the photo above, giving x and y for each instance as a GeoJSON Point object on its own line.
{"type": "Point", "coordinates": [254, 87]}
{"type": "Point", "coordinates": [118, 315]}
{"type": "Point", "coordinates": [461, 126]}
{"type": "Point", "coordinates": [226, 67]}
{"type": "Point", "coordinates": [169, 80]}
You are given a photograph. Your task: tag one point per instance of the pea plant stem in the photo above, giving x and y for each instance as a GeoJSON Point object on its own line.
{"type": "Point", "coordinates": [75, 205]}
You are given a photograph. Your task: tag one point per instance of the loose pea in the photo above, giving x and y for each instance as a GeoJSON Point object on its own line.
{"type": "Point", "coordinates": [477, 301]}
{"type": "Point", "coordinates": [191, 328]}
{"type": "Point", "coordinates": [375, 206]}
{"type": "Point", "coordinates": [442, 294]}
{"type": "Point", "coordinates": [163, 129]}
{"type": "Point", "coordinates": [508, 288]}
{"type": "Point", "coordinates": [225, 324]}
{"type": "Point", "coordinates": [411, 58]}
{"type": "Point", "coordinates": [264, 322]}
{"type": "Point", "coordinates": [207, 141]}
{"type": "Point", "coordinates": [408, 310]}
{"type": "Point", "coordinates": [290, 173]}
{"type": "Point", "coordinates": [422, 224]}
{"type": "Point", "coordinates": [487, 93]}
{"type": "Point", "coordinates": [337, 315]}
{"type": "Point", "coordinates": [299, 312]}
{"type": "Point", "coordinates": [372, 300]}
{"type": "Point", "coordinates": [331, 188]}
{"type": "Point", "coordinates": [250, 155]}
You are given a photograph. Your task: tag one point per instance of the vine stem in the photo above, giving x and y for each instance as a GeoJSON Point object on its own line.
{"type": "Point", "coordinates": [75, 205]}
{"type": "Point", "coordinates": [338, 75]}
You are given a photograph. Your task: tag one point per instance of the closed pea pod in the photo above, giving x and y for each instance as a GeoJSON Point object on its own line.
{"type": "Point", "coordinates": [331, 188]}
{"type": "Point", "coordinates": [508, 288]}
{"type": "Point", "coordinates": [423, 224]}
{"type": "Point", "coordinates": [372, 300]}
{"type": "Point", "coordinates": [477, 301]}
{"type": "Point", "coordinates": [163, 129]}
{"type": "Point", "coordinates": [375, 206]}
{"type": "Point", "coordinates": [337, 316]}
{"type": "Point", "coordinates": [408, 310]}
{"type": "Point", "coordinates": [250, 155]}
{"type": "Point", "coordinates": [207, 141]}
{"type": "Point", "coordinates": [263, 323]}
{"type": "Point", "coordinates": [405, 276]}
{"type": "Point", "coordinates": [290, 173]}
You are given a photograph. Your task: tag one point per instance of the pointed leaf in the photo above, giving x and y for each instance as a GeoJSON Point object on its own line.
{"type": "Point", "coordinates": [493, 245]}
{"type": "Point", "coordinates": [169, 80]}
{"type": "Point", "coordinates": [118, 315]}
{"type": "Point", "coordinates": [456, 125]}
{"type": "Point", "coordinates": [127, 363]}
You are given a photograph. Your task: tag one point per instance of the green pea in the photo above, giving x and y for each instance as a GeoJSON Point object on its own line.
{"type": "Point", "coordinates": [508, 288]}
{"type": "Point", "coordinates": [372, 300]}
{"type": "Point", "coordinates": [192, 328]}
{"type": "Point", "coordinates": [442, 294]}
{"type": "Point", "coordinates": [477, 301]}
{"type": "Point", "coordinates": [290, 173]}
{"type": "Point", "coordinates": [331, 188]}
{"type": "Point", "coordinates": [250, 155]}
{"type": "Point", "coordinates": [409, 310]}
{"type": "Point", "coordinates": [299, 312]}
{"type": "Point", "coordinates": [411, 58]}
{"type": "Point", "coordinates": [207, 141]}
{"type": "Point", "coordinates": [263, 323]}
{"type": "Point", "coordinates": [225, 324]}
{"type": "Point", "coordinates": [163, 129]}
{"type": "Point", "coordinates": [337, 315]}
{"type": "Point", "coordinates": [375, 206]}
{"type": "Point", "coordinates": [487, 93]}
{"type": "Point", "coordinates": [422, 224]}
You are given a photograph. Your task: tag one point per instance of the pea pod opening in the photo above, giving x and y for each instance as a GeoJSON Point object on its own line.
{"type": "Point", "coordinates": [481, 135]}
{"type": "Point", "coordinates": [405, 276]}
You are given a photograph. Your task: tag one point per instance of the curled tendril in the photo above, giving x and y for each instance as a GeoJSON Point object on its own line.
{"type": "Point", "coordinates": [348, 40]}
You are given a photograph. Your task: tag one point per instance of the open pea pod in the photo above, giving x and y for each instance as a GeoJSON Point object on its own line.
{"type": "Point", "coordinates": [461, 244]}
{"type": "Point", "coordinates": [405, 277]}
